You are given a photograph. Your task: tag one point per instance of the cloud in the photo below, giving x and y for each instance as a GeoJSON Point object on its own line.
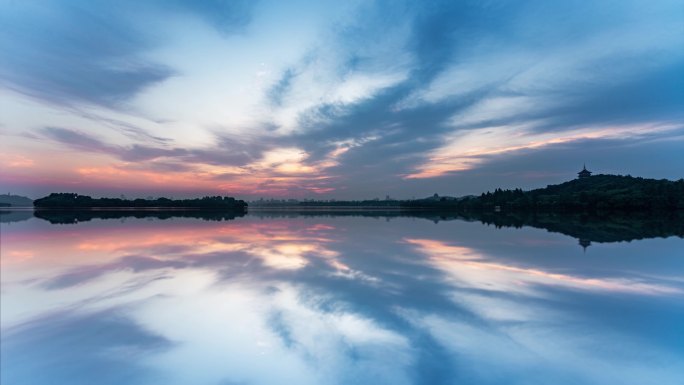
{"type": "Point", "coordinates": [228, 17]}
{"type": "Point", "coordinates": [128, 129]}
{"type": "Point", "coordinates": [75, 53]}
{"type": "Point", "coordinates": [530, 168]}
{"type": "Point", "coordinates": [375, 92]}
{"type": "Point", "coordinates": [470, 149]}
{"type": "Point", "coordinates": [226, 151]}
{"type": "Point", "coordinates": [85, 274]}
{"type": "Point", "coordinates": [229, 164]}
{"type": "Point", "coordinates": [76, 140]}
{"type": "Point", "coordinates": [280, 89]}
{"type": "Point", "coordinates": [533, 86]}
{"type": "Point", "coordinates": [86, 341]}
{"type": "Point", "coordinates": [94, 52]}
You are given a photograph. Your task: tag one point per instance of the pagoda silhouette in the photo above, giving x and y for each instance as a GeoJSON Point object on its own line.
{"type": "Point", "coordinates": [584, 173]}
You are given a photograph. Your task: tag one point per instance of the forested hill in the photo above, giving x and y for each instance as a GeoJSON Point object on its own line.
{"type": "Point", "coordinates": [599, 192]}
{"type": "Point", "coordinates": [15, 200]}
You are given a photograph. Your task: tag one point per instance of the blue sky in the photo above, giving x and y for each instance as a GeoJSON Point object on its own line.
{"type": "Point", "coordinates": [336, 99]}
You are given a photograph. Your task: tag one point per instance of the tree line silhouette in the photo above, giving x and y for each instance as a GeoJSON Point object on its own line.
{"type": "Point", "coordinates": [595, 193]}
{"type": "Point", "coordinates": [76, 201]}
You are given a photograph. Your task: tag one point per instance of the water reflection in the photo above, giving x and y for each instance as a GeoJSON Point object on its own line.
{"type": "Point", "coordinates": [334, 299]}
{"type": "Point", "coordinates": [77, 216]}
{"type": "Point", "coordinates": [587, 228]}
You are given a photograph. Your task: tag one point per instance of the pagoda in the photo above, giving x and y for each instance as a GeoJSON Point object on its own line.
{"type": "Point", "coordinates": [584, 173]}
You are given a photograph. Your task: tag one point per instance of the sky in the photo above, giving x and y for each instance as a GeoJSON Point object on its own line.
{"type": "Point", "coordinates": [335, 99]}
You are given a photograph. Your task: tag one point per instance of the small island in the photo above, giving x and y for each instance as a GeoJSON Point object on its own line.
{"type": "Point", "coordinates": [84, 202]}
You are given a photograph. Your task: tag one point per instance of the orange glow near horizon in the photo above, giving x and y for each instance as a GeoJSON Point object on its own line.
{"type": "Point", "coordinates": [279, 172]}
{"type": "Point", "coordinates": [283, 172]}
{"type": "Point", "coordinates": [16, 161]}
{"type": "Point", "coordinates": [287, 179]}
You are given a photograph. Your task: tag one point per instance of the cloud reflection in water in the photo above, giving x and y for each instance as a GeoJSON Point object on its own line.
{"type": "Point", "coordinates": [313, 300]}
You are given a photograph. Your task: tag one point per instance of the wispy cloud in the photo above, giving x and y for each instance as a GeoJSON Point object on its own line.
{"type": "Point", "coordinates": [414, 96]}
{"type": "Point", "coordinates": [94, 52]}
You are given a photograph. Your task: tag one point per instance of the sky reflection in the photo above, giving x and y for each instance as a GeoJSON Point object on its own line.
{"type": "Point", "coordinates": [347, 300]}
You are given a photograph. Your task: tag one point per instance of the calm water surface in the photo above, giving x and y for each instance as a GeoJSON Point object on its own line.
{"type": "Point", "coordinates": [335, 300]}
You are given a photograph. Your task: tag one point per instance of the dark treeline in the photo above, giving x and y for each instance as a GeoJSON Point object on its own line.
{"type": "Point", "coordinates": [595, 193]}
{"type": "Point", "coordinates": [77, 216]}
{"type": "Point", "coordinates": [330, 203]}
{"type": "Point", "coordinates": [360, 212]}
{"type": "Point", "coordinates": [76, 201]}
{"type": "Point", "coordinates": [362, 203]}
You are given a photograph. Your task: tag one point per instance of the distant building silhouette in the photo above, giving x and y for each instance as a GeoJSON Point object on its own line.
{"type": "Point", "coordinates": [584, 173]}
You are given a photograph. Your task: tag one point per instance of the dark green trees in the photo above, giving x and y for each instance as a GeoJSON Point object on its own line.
{"type": "Point", "coordinates": [598, 192]}
{"type": "Point", "coordinates": [76, 201]}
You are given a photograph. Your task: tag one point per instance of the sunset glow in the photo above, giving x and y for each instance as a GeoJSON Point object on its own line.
{"type": "Point", "coordinates": [214, 98]}
{"type": "Point", "coordinates": [386, 192]}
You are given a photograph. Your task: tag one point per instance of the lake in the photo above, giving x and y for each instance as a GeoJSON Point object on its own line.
{"type": "Point", "coordinates": [283, 298]}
